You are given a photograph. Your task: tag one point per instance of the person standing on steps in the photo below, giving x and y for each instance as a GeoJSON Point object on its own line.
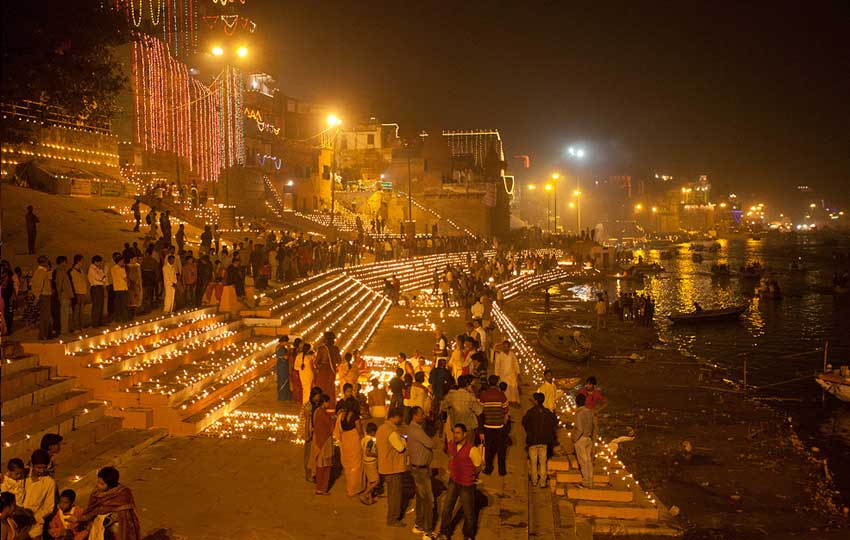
{"type": "Point", "coordinates": [31, 220]}
{"type": "Point", "coordinates": [420, 449]}
{"type": "Point", "coordinates": [494, 419]}
{"type": "Point", "coordinates": [327, 360]}
{"type": "Point", "coordinates": [583, 435]}
{"type": "Point", "coordinates": [42, 289]}
{"type": "Point", "coordinates": [540, 424]}
{"type": "Point", "coordinates": [507, 368]}
{"type": "Point", "coordinates": [391, 453]}
{"type": "Point", "coordinates": [97, 288]}
{"type": "Point", "coordinates": [137, 213]}
{"type": "Point", "coordinates": [169, 284]}
{"type": "Point", "coordinates": [465, 461]}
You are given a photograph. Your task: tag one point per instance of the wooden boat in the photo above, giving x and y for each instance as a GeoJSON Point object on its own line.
{"type": "Point", "coordinates": [708, 315]}
{"type": "Point", "coordinates": [649, 268]}
{"type": "Point", "coordinates": [835, 384]}
{"type": "Point", "coordinates": [753, 272]}
{"type": "Point", "coordinates": [563, 343]}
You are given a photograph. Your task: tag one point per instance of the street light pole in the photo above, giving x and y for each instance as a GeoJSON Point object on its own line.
{"type": "Point", "coordinates": [333, 176]}
{"type": "Point", "coordinates": [409, 194]}
{"type": "Point", "coordinates": [334, 122]}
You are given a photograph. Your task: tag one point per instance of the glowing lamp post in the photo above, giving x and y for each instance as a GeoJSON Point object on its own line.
{"type": "Point", "coordinates": [333, 124]}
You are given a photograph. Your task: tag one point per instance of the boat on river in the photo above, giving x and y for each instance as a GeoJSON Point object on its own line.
{"type": "Point", "coordinates": [564, 343]}
{"type": "Point", "coordinates": [708, 315]}
{"type": "Point", "coordinates": [647, 268]}
{"type": "Point", "coordinates": [836, 383]}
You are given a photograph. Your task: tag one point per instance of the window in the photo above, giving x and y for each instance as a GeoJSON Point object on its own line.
{"type": "Point", "coordinates": [326, 172]}
{"type": "Point", "coordinates": [370, 139]}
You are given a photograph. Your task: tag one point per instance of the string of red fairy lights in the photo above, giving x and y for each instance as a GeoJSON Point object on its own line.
{"type": "Point", "coordinates": [174, 111]}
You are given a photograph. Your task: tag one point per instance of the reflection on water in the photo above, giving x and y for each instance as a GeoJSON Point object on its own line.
{"type": "Point", "coordinates": [769, 332]}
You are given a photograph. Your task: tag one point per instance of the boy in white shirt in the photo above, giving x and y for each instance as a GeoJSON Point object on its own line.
{"type": "Point", "coordinates": [40, 495]}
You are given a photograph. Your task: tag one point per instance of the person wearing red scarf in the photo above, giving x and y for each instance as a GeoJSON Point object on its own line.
{"type": "Point", "coordinates": [115, 501]}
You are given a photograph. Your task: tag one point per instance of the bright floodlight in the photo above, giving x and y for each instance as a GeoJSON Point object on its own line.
{"type": "Point", "coordinates": [572, 204]}
{"type": "Point", "coordinates": [638, 207]}
{"type": "Point", "coordinates": [577, 193]}
{"type": "Point", "coordinates": [548, 187]}
{"type": "Point", "coordinates": [572, 151]}
{"type": "Point", "coordinates": [333, 120]}
{"type": "Point", "coordinates": [217, 51]}
{"type": "Point", "coordinates": [654, 209]}
{"type": "Point", "coordinates": [532, 187]}
{"type": "Point", "coordinates": [580, 153]}
{"type": "Point", "coordinates": [555, 176]}
{"type": "Point", "coordinates": [242, 52]}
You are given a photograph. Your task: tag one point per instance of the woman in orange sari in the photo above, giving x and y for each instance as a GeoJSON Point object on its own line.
{"type": "Point", "coordinates": [349, 433]}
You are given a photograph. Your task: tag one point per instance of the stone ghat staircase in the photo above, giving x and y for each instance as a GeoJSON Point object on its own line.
{"type": "Point", "coordinates": [614, 506]}
{"type": "Point", "coordinates": [334, 301]}
{"type": "Point", "coordinates": [180, 373]}
{"type": "Point", "coordinates": [36, 401]}
{"type": "Point", "coordinates": [414, 274]}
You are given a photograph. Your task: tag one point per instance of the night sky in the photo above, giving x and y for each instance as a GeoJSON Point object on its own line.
{"type": "Point", "coordinates": [758, 97]}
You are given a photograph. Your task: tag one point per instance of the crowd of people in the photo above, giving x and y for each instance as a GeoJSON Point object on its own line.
{"type": "Point", "coordinates": [32, 506]}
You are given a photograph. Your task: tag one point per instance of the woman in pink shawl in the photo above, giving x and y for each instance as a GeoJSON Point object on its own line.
{"type": "Point", "coordinates": [111, 509]}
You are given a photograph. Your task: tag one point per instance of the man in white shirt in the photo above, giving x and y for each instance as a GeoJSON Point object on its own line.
{"type": "Point", "coordinates": [97, 283]}
{"type": "Point", "coordinates": [507, 368]}
{"type": "Point", "coordinates": [40, 494]}
{"type": "Point", "coordinates": [477, 310]}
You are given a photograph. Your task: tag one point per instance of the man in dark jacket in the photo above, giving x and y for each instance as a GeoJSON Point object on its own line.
{"type": "Point", "coordinates": [205, 274]}
{"type": "Point", "coordinates": [540, 424]}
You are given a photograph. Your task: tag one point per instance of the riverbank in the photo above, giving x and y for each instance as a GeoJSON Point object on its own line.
{"type": "Point", "coordinates": [746, 475]}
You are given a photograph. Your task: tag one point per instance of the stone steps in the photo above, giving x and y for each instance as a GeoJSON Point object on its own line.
{"type": "Point", "coordinates": [615, 510]}
{"type": "Point", "coordinates": [155, 351]}
{"type": "Point", "coordinates": [19, 383]}
{"type": "Point", "coordinates": [22, 442]}
{"type": "Point", "coordinates": [285, 297]}
{"type": "Point", "coordinates": [195, 349]}
{"type": "Point", "coordinates": [175, 387]}
{"type": "Point", "coordinates": [121, 340]}
{"type": "Point", "coordinates": [10, 366]}
{"type": "Point", "coordinates": [33, 396]}
{"type": "Point", "coordinates": [330, 314]}
{"type": "Point", "coordinates": [79, 470]}
{"type": "Point", "coordinates": [614, 499]}
{"type": "Point", "coordinates": [420, 276]}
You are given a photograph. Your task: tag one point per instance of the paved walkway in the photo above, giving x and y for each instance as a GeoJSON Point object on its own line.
{"type": "Point", "coordinates": [255, 489]}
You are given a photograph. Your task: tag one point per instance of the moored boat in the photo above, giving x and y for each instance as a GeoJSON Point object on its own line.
{"type": "Point", "coordinates": [564, 343]}
{"type": "Point", "coordinates": [708, 315]}
{"type": "Point", "coordinates": [835, 383]}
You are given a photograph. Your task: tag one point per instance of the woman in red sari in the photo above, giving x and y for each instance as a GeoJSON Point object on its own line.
{"type": "Point", "coordinates": [294, 376]}
{"type": "Point", "coordinates": [322, 446]}
{"type": "Point", "coordinates": [111, 509]}
{"type": "Point", "coordinates": [327, 360]}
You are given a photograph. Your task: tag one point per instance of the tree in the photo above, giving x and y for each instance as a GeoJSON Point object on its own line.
{"type": "Point", "coordinates": [60, 53]}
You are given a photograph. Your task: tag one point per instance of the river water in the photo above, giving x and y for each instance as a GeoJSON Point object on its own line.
{"type": "Point", "coordinates": [778, 339]}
